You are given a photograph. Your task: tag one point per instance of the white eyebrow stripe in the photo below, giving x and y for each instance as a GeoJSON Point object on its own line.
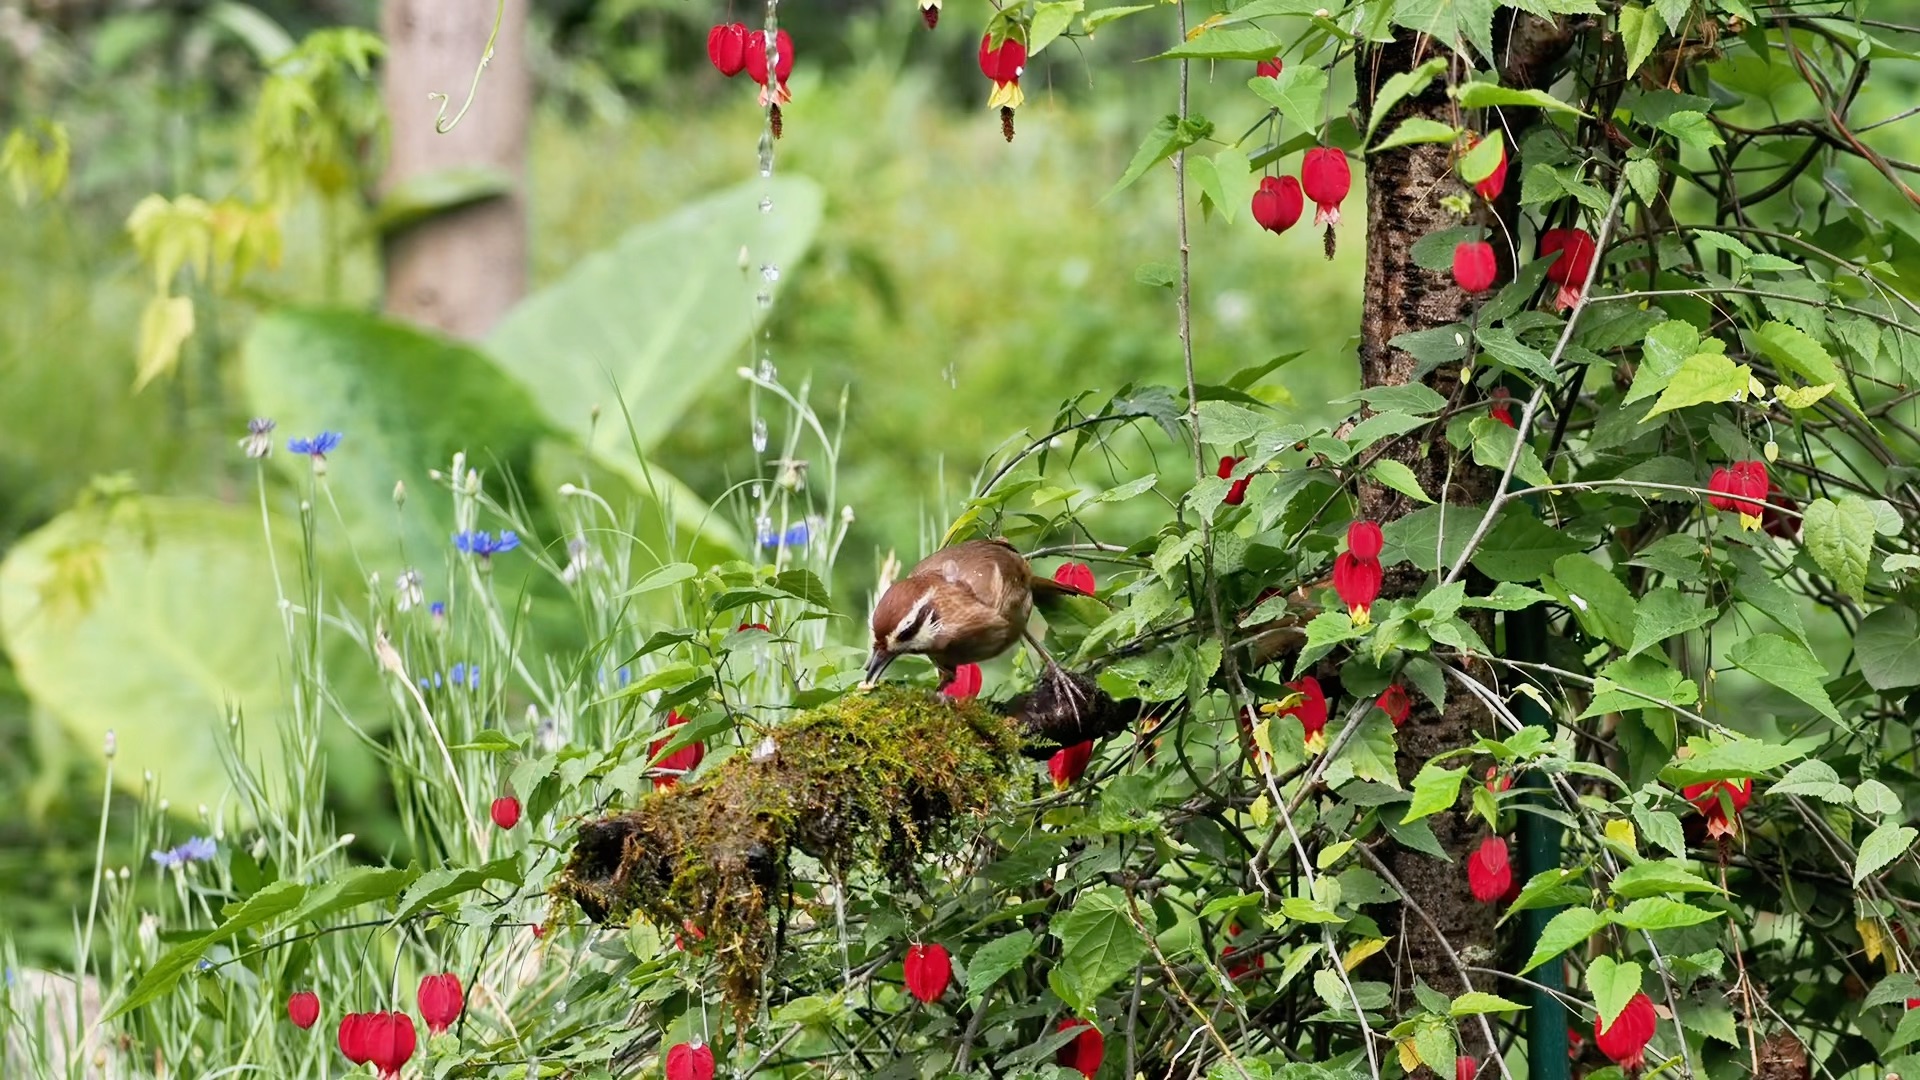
{"type": "Point", "coordinates": [913, 613]}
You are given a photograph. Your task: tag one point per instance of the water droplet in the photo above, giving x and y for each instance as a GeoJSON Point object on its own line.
{"type": "Point", "coordinates": [769, 273]}
{"type": "Point", "coordinates": [759, 441]}
{"type": "Point", "coordinates": [766, 154]}
{"type": "Point", "coordinates": [766, 205]}
{"type": "Point", "coordinates": [763, 298]}
{"type": "Point", "coordinates": [952, 375]}
{"type": "Point", "coordinates": [560, 1006]}
{"type": "Point", "coordinates": [768, 372]}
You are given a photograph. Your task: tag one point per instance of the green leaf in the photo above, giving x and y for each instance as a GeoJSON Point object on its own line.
{"type": "Point", "coordinates": [1655, 877]}
{"type": "Point", "coordinates": [1168, 136]}
{"type": "Point", "coordinates": [1392, 474]}
{"type": "Point", "coordinates": [1299, 93]}
{"type": "Point", "coordinates": [1644, 175]}
{"type": "Point", "coordinates": [1730, 760]}
{"type": "Point", "coordinates": [1792, 350]}
{"type": "Point", "coordinates": [1887, 645]}
{"type": "Point", "coordinates": [1478, 163]}
{"type": "Point", "coordinates": [1484, 95]}
{"type": "Point", "coordinates": [1097, 19]}
{"type": "Point", "coordinates": [421, 196]}
{"type": "Point", "coordinates": [1414, 130]}
{"type": "Point", "coordinates": [262, 907]}
{"type": "Point", "coordinates": [1417, 537]}
{"type": "Point", "coordinates": [1649, 676]}
{"type": "Point", "coordinates": [1400, 86]}
{"type": "Point", "coordinates": [1562, 932]}
{"type": "Point", "coordinates": [1691, 129]}
{"type": "Point", "coordinates": [659, 314]}
{"type": "Point", "coordinates": [1368, 755]}
{"type": "Point", "coordinates": [1660, 913]}
{"type": "Point", "coordinates": [1598, 599]}
{"type": "Point", "coordinates": [1640, 32]}
{"type": "Point", "coordinates": [1501, 344]}
{"type": "Point", "coordinates": [1815, 779]}
{"type": "Point", "coordinates": [152, 623]}
{"type": "Point", "coordinates": [1050, 20]}
{"type": "Point", "coordinates": [1519, 547]}
{"type": "Point", "coordinates": [1455, 23]}
{"type": "Point", "coordinates": [355, 886]}
{"type": "Point", "coordinates": [435, 887]}
{"type": "Point", "coordinates": [1612, 985]}
{"type": "Point", "coordinates": [1883, 845]}
{"type": "Point", "coordinates": [1665, 612]}
{"type": "Point", "coordinates": [1703, 378]}
{"type": "Point", "coordinates": [1229, 43]}
{"type": "Point", "coordinates": [1098, 945]}
{"type": "Point", "coordinates": [1876, 798]}
{"type": "Point", "coordinates": [1788, 665]}
{"type": "Point", "coordinates": [663, 577]}
{"type": "Point", "coordinates": [1839, 536]}
{"type": "Point", "coordinates": [1434, 789]}
{"type": "Point", "coordinates": [1493, 447]}
{"type": "Point", "coordinates": [1476, 1002]}
{"type": "Point", "coordinates": [994, 960]}
{"type": "Point", "coordinates": [1234, 181]}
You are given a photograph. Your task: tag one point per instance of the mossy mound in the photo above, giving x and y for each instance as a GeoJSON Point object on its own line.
{"type": "Point", "coordinates": [873, 777]}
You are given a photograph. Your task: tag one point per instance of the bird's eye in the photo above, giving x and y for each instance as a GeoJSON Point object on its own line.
{"type": "Point", "coordinates": [912, 629]}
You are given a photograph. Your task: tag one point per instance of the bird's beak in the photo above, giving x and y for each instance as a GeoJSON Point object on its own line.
{"type": "Point", "coordinates": [877, 663]}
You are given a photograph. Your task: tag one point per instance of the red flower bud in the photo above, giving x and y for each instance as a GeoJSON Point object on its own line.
{"type": "Point", "coordinates": [756, 60]}
{"type": "Point", "coordinates": [1500, 410]}
{"type": "Point", "coordinates": [1325, 177]}
{"type": "Point", "coordinates": [1489, 874]}
{"type": "Point", "coordinates": [1473, 266]}
{"type": "Point", "coordinates": [440, 1000]}
{"type": "Point", "coordinates": [1395, 703]}
{"type": "Point", "coordinates": [678, 763]}
{"type": "Point", "coordinates": [1496, 181]}
{"type": "Point", "coordinates": [727, 48]}
{"type": "Point", "coordinates": [1498, 781]}
{"type": "Point", "coordinates": [1358, 582]}
{"type": "Point", "coordinates": [1069, 764]}
{"type": "Point", "coordinates": [1312, 709]}
{"type": "Point", "coordinates": [1277, 203]}
{"type": "Point", "coordinates": [506, 811]}
{"type": "Point", "coordinates": [388, 1039]}
{"type": "Point", "coordinates": [1085, 1052]}
{"type": "Point", "coordinates": [1240, 969]}
{"type": "Point", "coordinates": [303, 1008]}
{"type": "Point", "coordinates": [1075, 575]}
{"type": "Point", "coordinates": [1237, 491]}
{"type": "Point", "coordinates": [930, 12]}
{"type": "Point", "coordinates": [1741, 487]}
{"type": "Point", "coordinates": [690, 1061]}
{"type": "Point", "coordinates": [1270, 69]}
{"type": "Point", "coordinates": [966, 682]}
{"type": "Point", "coordinates": [1706, 798]}
{"type": "Point", "coordinates": [1625, 1041]}
{"type": "Point", "coordinates": [1465, 1068]}
{"type": "Point", "coordinates": [928, 970]}
{"type": "Point", "coordinates": [353, 1037]}
{"type": "Point", "coordinates": [1573, 250]}
{"type": "Point", "coordinates": [1364, 540]}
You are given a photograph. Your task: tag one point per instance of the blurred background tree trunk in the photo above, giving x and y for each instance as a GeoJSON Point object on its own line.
{"type": "Point", "coordinates": [458, 271]}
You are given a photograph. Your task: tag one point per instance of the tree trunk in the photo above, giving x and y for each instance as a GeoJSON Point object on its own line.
{"type": "Point", "coordinates": [1404, 189]}
{"type": "Point", "coordinates": [459, 271]}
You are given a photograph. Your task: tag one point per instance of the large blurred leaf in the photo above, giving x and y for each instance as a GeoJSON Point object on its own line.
{"type": "Point", "coordinates": [153, 620]}
{"type": "Point", "coordinates": [405, 401]}
{"type": "Point", "coordinates": [658, 314]}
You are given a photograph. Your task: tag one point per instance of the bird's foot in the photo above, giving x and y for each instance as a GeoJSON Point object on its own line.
{"type": "Point", "coordinates": [1068, 689]}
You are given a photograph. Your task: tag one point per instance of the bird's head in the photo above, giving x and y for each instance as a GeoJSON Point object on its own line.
{"type": "Point", "coordinates": [907, 620]}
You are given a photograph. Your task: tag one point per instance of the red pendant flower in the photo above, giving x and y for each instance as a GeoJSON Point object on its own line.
{"type": "Point", "coordinates": [1498, 781]}
{"type": "Point", "coordinates": [1501, 409]}
{"type": "Point", "coordinates": [1489, 874]}
{"type": "Point", "coordinates": [1625, 1041]}
{"type": "Point", "coordinates": [1003, 64]}
{"type": "Point", "coordinates": [1473, 266]}
{"type": "Point", "coordinates": [1574, 250]}
{"type": "Point", "coordinates": [303, 1008]}
{"type": "Point", "coordinates": [928, 969]}
{"type": "Point", "coordinates": [1775, 523]}
{"type": "Point", "coordinates": [678, 763]}
{"type": "Point", "coordinates": [1706, 798]}
{"type": "Point", "coordinates": [727, 48]}
{"type": "Point", "coordinates": [1741, 487]}
{"type": "Point", "coordinates": [1358, 583]}
{"type": "Point", "coordinates": [1270, 69]}
{"type": "Point", "coordinates": [1240, 969]}
{"type": "Point", "coordinates": [1326, 177]}
{"type": "Point", "coordinates": [388, 1039]}
{"type": "Point", "coordinates": [1395, 703]}
{"type": "Point", "coordinates": [1236, 491]}
{"type": "Point", "coordinates": [1069, 764]}
{"type": "Point", "coordinates": [965, 684]}
{"type": "Point", "coordinates": [1465, 1068]}
{"type": "Point", "coordinates": [690, 1061]}
{"type": "Point", "coordinates": [1496, 181]}
{"type": "Point", "coordinates": [930, 11]}
{"type": "Point", "coordinates": [1075, 575]}
{"type": "Point", "coordinates": [353, 1037]}
{"type": "Point", "coordinates": [756, 60]}
{"type": "Point", "coordinates": [440, 999]}
{"type": "Point", "coordinates": [505, 811]}
{"type": "Point", "coordinates": [1311, 711]}
{"type": "Point", "coordinates": [1277, 203]}
{"type": "Point", "coordinates": [1085, 1052]}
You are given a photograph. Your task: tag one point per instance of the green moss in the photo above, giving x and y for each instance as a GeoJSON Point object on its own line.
{"type": "Point", "coordinates": [873, 779]}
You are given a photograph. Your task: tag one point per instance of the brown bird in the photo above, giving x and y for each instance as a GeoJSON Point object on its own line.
{"type": "Point", "coordinates": [961, 605]}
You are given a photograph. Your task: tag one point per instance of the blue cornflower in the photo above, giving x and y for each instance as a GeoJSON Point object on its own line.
{"type": "Point", "coordinates": [438, 609]}
{"type": "Point", "coordinates": [480, 542]}
{"type": "Point", "coordinates": [319, 446]}
{"type": "Point", "coordinates": [198, 849]}
{"type": "Point", "coordinates": [794, 537]}
{"type": "Point", "coordinates": [465, 673]}
{"type": "Point", "coordinates": [430, 682]}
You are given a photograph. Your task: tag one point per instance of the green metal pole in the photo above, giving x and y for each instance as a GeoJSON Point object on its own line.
{"type": "Point", "coordinates": [1539, 851]}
